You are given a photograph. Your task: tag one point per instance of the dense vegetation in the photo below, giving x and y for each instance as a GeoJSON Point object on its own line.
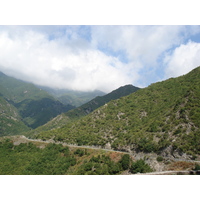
{"type": "Point", "coordinates": [29, 159]}
{"type": "Point", "coordinates": [165, 114]}
{"type": "Point", "coordinates": [10, 119]}
{"type": "Point", "coordinates": [100, 101]}
{"type": "Point", "coordinates": [38, 112]}
{"type": "Point", "coordinates": [103, 165]}
{"type": "Point", "coordinates": [32, 106]}
{"type": "Point", "coordinates": [86, 108]}
{"type": "Point", "coordinates": [55, 159]}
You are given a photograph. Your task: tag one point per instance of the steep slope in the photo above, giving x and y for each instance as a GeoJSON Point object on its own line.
{"type": "Point", "coordinates": [35, 106]}
{"type": "Point", "coordinates": [75, 98]}
{"type": "Point", "coordinates": [162, 118]}
{"type": "Point", "coordinates": [10, 119]}
{"type": "Point", "coordinates": [101, 100]}
{"type": "Point", "coordinates": [87, 108]}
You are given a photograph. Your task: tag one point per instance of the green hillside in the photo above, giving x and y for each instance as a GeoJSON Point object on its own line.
{"type": "Point", "coordinates": [16, 91]}
{"type": "Point", "coordinates": [85, 109]}
{"type": "Point", "coordinates": [101, 100]}
{"type": "Point", "coordinates": [10, 119]}
{"type": "Point", "coordinates": [75, 98]}
{"type": "Point", "coordinates": [20, 157]}
{"type": "Point", "coordinates": [35, 106]}
{"type": "Point", "coordinates": [163, 116]}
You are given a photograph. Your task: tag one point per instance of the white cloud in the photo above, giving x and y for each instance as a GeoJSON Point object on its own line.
{"type": "Point", "coordinates": [143, 43]}
{"type": "Point", "coordinates": [183, 59]}
{"type": "Point", "coordinates": [143, 46]}
{"type": "Point", "coordinates": [61, 62]}
{"type": "Point", "coordinates": [90, 57]}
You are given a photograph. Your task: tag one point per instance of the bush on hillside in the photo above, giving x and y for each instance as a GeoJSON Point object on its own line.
{"type": "Point", "coordinates": [140, 167]}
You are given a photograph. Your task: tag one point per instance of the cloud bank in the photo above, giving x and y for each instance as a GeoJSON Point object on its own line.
{"type": "Point", "coordinates": [97, 57]}
{"type": "Point", "coordinates": [183, 59]}
{"type": "Point", "coordinates": [60, 63]}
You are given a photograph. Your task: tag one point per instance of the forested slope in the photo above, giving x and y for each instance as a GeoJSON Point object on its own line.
{"type": "Point", "coordinates": [29, 158]}
{"type": "Point", "coordinates": [85, 109]}
{"type": "Point", "coordinates": [165, 115]}
{"type": "Point", "coordinates": [34, 107]}
{"type": "Point", "coordinates": [10, 120]}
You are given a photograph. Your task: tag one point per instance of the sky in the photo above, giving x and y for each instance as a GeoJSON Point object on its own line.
{"type": "Point", "coordinates": [98, 57]}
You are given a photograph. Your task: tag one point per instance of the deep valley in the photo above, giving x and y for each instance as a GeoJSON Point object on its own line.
{"type": "Point", "coordinates": [127, 131]}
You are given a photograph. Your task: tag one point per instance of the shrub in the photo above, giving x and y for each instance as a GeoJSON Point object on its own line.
{"type": "Point", "coordinates": [125, 161]}
{"type": "Point", "coordinates": [95, 159]}
{"type": "Point", "coordinates": [79, 152]}
{"type": "Point", "coordinates": [114, 168]}
{"type": "Point", "coordinates": [159, 158]}
{"type": "Point", "coordinates": [140, 167]}
{"type": "Point", "coordinates": [177, 131]}
{"type": "Point", "coordinates": [197, 167]}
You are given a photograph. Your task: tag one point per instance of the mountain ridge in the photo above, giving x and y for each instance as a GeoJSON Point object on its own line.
{"type": "Point", "coordinates": [33, 106]}
{"type": "Point", "coordinates": [162, 118]}
{"type": "Point", "coordinates": [75, 98]}
{"type": "Point", "coordinates": [86, 108]}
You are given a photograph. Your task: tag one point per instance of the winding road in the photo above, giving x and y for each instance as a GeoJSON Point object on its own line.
{"type": "Point", "coordinates": [99, 148]}
{"type": "Point", "coordinates": [25, 139]}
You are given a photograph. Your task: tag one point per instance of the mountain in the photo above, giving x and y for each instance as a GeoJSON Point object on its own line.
{"type": "Point", "coordinates": [163, 118]}
{"type": "Point", "coordinates": [86, 108]}
{"type": "Point", "coordinates": [10, 119]}
{"type": "Point", "coordinates": [100, 101]}
{"type": "Point", "coordinates": [75, 98]}
{"type": "Point", "coordinates": [24, 101]}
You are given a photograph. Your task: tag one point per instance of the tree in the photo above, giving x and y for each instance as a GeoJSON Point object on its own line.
{"type": "Point", "coordinates": [140, 167]}
{"type": "Point", "coordinates": [125, 161]}
{"type": "Point", "coordinates": [79, 152]}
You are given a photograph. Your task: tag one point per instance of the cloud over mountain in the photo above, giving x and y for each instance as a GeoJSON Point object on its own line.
{"type": "Point", "coordinates": [93, 57]}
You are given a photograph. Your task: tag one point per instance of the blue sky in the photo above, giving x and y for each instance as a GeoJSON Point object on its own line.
{"type": "Point", "coordinates": [98, 57]}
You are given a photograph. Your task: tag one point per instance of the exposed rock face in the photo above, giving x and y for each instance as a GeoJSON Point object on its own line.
{"type": "Point", "coordinates": [167, 152]}
{"type": "Point", "coordinates": [108, 146]}
{"type": "Point", "coordinates": [171, 154]}
{"type": "Point", "coordinates": [151, 159]}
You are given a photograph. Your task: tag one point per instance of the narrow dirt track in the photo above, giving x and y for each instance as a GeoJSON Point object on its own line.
{"type": "Point", "coordinates": [164, 173]}
{"type": "Point", "coordinates": [97, 148]}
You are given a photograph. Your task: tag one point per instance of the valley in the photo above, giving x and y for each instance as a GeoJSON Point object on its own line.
{"type": "Point", "coordinates": [153, 129]}
{"type": "Point", "coordinates": [74, 98]}
{"type": "Point", "coordinates": [33, 106]}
